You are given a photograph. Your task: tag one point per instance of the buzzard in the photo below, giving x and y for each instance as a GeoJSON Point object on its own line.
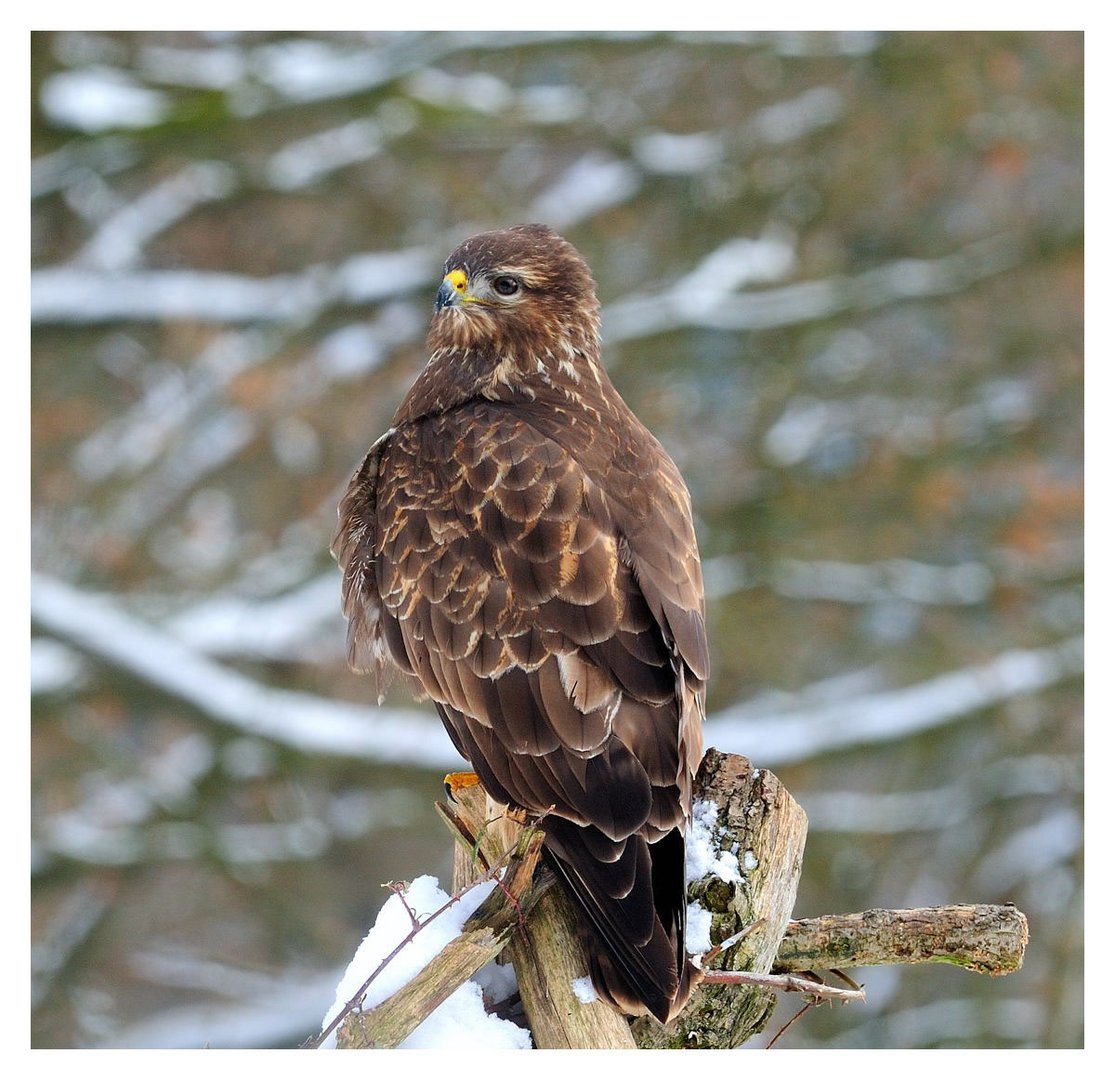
{"type": "Point", "coordinates": [521, 547]}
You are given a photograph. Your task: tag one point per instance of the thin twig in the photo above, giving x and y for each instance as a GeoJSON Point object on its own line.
{"type": "Point", "coordinates": [793, 1020]}
{"type": "Point", "coordinates": [791, 984]}
{"type": "Point", "coordinates": [353, 1004]}
{"type": "Point", "coordinates": [399, 888]}
{"type": "Point", "coordinates": [731, 942]}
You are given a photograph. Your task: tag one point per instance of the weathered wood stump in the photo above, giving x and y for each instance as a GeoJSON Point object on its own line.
{"type": "Point", "coordinates": [530, 922]}
{"type": "Point", "coordinates": [760, 823]}
{"type": "Point", "coordinates": [546, 952]}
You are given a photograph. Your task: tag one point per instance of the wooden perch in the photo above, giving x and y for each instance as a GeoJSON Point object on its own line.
{"type": "Point", "coordinates": [758, 819]}
{"type": "Point", "coordinates": [546, 954]}
{"type": "Point", "coordinates": [986, 938]}
{"type": "Point", "coordinates": [530, 921]}
{"type": "Point", "coordinates": [481, 940]}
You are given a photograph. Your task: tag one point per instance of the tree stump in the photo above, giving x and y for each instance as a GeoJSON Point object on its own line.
{"type": "Point", "coordinates": [759, 822]}
{"type": "Point", "coordinates": [546, 953]}
{"type": "Point", "coordinates": [755, 816]}
{"type": "Point", "coordinates": [532, 923]}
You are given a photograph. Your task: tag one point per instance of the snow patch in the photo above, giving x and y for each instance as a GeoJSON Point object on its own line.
{"type": "Point", "coordinates": [703, 855]}
{"type": "Point", "coordinates": [497, 980]}
{"type": "Point", "coordinates": [101, 99]}
{"type": "Point", "coordinates": [584, 990]}
{"type": "Point", "coordinates": [591, 184]}
{"type": "Point", "coordinates": [698, 929]}
{"type": "Point", "coordinates": [460, 1021]}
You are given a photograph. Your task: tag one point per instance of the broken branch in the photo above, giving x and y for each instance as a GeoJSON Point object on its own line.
{"type": "Point", "coordinates": [986, 938]}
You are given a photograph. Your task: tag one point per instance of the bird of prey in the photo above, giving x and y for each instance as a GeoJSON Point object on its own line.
{"type": "Point", "coordinates": [521, 547]}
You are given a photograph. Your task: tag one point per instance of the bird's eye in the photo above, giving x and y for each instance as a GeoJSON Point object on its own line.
{"type": "Point", "coordinates": [506, 286]}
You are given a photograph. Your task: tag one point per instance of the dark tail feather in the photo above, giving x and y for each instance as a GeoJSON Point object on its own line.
{"type": "Point", "coordinates": [634, 935]}
{"type": "Point", "coordinates": [614, 987]}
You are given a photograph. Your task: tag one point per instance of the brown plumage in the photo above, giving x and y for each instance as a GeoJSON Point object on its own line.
{"type": "Point", "coordinates": [522, 548]}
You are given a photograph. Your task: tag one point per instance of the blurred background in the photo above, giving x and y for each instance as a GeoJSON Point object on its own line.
{"type": "Point", "coordinates": [842, 280]}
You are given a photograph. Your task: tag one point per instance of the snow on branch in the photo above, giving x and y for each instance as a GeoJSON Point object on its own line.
{"type": "Point", "coordinates": [798, 733]}
{"type": "Point", "coordinates": [755, 948]}
{"type": "Point", "coordinates": [71, 294]}
{"type": "Point", "coordinates": [689, 303]}
{"type": "Point", "coordinates": [308, 723]}
{"type": "Point", "coordinates": [792, 732]}
{"type": "Point", "coordinates": [410, 985]}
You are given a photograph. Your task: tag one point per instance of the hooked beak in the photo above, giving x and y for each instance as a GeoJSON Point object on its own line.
{"type": "Point", "coordinates": [446, 296]}
{"type": "Point", "coordinates": [452, 291]}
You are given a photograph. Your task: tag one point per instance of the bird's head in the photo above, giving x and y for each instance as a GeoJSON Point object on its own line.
{"type": "Point", "coordinates": [521, 290]}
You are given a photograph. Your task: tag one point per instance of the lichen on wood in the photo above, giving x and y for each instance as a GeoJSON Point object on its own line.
{"type": "Point", "coordinates": [986, 938]}
{"type": "Point", "coordinates": [532, 922]}
{"type": "Point", "coordinates": [756, 814]}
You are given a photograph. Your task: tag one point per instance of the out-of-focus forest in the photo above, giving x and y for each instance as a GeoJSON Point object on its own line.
{"type": "Point", "coordinates": [842, 281]}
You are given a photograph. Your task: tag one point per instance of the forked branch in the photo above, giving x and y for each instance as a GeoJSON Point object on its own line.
{"type": "Point", "coordinates": [757, 950]}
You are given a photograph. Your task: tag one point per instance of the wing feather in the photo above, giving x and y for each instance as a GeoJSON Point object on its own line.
{"type": "Point", "coordinates": [557, 621]}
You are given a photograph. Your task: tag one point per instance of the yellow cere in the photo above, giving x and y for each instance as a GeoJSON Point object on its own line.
{"type": "Point", "coordinates": [457, 279]}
